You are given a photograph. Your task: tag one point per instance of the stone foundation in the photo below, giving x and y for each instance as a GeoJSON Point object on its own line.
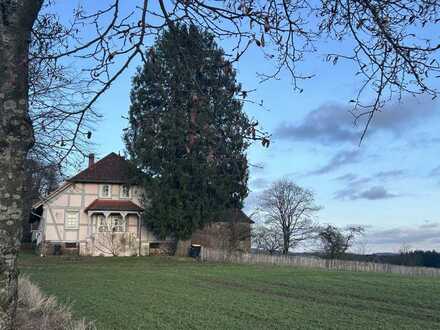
{"type": "Point", "coordinates": [129, 246]}
{"type": "Point", "coordinates": [49, 248]}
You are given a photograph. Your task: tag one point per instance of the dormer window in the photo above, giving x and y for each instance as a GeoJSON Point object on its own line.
{"type": "Point", "coordinates": [105, 191]}
{"type": "Point", "coordinates": [125, 191]}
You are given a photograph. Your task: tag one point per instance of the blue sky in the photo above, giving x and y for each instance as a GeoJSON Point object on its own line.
{"type": "Point", "coordinates": [390, 183]}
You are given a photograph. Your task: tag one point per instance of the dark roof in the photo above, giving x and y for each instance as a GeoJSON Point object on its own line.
{"type": "Point", "coordinates": [234, 215]}
{"type": "Point", "coordinates": [113, 205]}
{"type": "Point", "coordinates": [110, 169]}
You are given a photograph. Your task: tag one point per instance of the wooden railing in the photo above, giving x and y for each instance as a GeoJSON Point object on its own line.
{"type": "Point", "coordinates": [210, 255]}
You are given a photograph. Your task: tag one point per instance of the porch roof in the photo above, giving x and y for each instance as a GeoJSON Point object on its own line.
{"type": "Point", "coordinates": [113, 205]}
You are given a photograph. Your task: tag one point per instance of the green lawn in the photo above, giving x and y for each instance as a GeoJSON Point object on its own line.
{"type": "Point", "coordinates": [169, 293]}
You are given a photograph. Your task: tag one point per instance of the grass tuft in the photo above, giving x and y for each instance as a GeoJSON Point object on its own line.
{"type": "Point", "coordinates": [36, 311]}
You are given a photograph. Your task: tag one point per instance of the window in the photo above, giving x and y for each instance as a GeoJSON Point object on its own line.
{"type": "Point", "coordinates": [102, 224]}
{"type": "Point", "coordinates": [35, 226]}
{"type": "Point", "coordinates": [118, 223]}
{"type": "Point", "coordinates": [106, 191]}
{"type": "Point", "coordinates": [71, 245]}
{"type": "Point", "coordinates": [125, 191]}
{"type": "Point", "coordinates": [115, 223]}
{"type": "Point", "coordinates": [72, 220]}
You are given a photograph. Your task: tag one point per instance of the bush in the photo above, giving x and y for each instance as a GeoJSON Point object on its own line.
{"type": "Point", "coordinates": [37, 311]}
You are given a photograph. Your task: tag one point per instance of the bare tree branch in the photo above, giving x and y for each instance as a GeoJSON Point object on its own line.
{"type": "Point", "coordinates": [290, 210]}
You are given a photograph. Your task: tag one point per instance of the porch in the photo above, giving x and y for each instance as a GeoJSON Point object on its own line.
{"type": "Point", "coordinates": [114, 229]}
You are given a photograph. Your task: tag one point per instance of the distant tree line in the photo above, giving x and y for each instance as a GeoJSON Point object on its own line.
{"type": "Point", "coordinates": [417, 258]}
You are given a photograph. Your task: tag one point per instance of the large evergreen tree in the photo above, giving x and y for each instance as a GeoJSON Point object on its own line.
{"type": "Point", "coordinates": [186, 132]}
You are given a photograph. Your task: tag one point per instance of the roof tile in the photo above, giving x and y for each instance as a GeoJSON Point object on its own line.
{"type": "Point", "coordinates": [110, 169]}
{"type": "Point", "coordinates": [113, 205]}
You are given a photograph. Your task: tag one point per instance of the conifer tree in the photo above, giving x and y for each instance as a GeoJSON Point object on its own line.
{"type": "Point", "coordinates": [187, 133]}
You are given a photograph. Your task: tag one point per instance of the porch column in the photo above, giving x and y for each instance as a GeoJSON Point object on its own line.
{"type": "Point", "coordinates": [90, 224]}
{"type": "Point", "coordinates": [106, 215]}
{"type": "Point", "coordinates": [93, 221]}
{"type": "Point", "coordinates": [125, 219]}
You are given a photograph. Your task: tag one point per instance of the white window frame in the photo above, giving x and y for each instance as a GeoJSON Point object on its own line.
{"type": "Point", "coordinates": [101, 191]}
{"type": "Point", "coordinates": [102, 223]}
{"type": "Point", "coordinates": [69, 226]}
{"type": "Point", "coordinates": [109, 224]}
{"type": "Point", "coordinates": [118, 228]}
{"type": "Point", "coordinates": [122, 189]}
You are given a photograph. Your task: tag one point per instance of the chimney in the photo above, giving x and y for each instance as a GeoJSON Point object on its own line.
{"type": "Point", "coordinates": [91, 160]}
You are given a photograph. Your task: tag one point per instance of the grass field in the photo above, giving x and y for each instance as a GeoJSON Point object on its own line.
{"type": "Point", "coordinates": [168, 293]}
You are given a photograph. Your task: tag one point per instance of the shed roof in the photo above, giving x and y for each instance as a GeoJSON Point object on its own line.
{"type": "Point", "coordinates": [235, 215]}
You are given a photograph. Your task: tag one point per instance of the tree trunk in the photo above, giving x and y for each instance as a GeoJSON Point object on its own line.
{"type": "Point", "coordinates": [286, 243]}
{"type": "Point", "coordinates": [16, 138]}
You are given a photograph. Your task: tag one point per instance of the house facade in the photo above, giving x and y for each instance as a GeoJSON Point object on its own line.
{"type": "Point", "coordinates": [96, 212]}
{"type": "Point", "coordinates": [99, 212]}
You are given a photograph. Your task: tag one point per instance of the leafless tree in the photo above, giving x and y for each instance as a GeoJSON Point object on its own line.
{"type": "Point", "coordinates": [336, 241]}
{"type": "Point", "coordinates": [40, 180]}
{"type": "Point", "coordinates": [405, 254]}
{"type": "Point", "coordinates": [392, 43]}
{"type": "Point", "coordinates": [290, 209]}
{"type": "Point", "coordinates": [405, 248]}
{"type": "Point", "coordinates": [112, 243]}
{"type": "Point", "coordinates": [267, 239]}
{"type": "Point", "coordinates": [58, 95]}
{"type": "Point", "coordinates": [361, 246]}
{"type": "Point", "coordinates": [108, 243]}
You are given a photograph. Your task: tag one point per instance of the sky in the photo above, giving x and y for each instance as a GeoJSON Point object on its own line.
{"type": "Point", "coordinates": [390, 183]}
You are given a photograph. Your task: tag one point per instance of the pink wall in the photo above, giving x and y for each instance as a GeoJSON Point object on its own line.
{"type": "Point", "coordinates": [76, 197]}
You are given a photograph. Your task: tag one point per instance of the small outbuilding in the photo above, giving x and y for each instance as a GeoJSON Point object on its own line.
{"type": "Point", "coordinates": [232, 231]}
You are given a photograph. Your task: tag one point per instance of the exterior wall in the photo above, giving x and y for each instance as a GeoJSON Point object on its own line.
{"type": "Point", "coordinates": [224, 236]}
{"type": "Point", "coordinates": [76, 197]}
